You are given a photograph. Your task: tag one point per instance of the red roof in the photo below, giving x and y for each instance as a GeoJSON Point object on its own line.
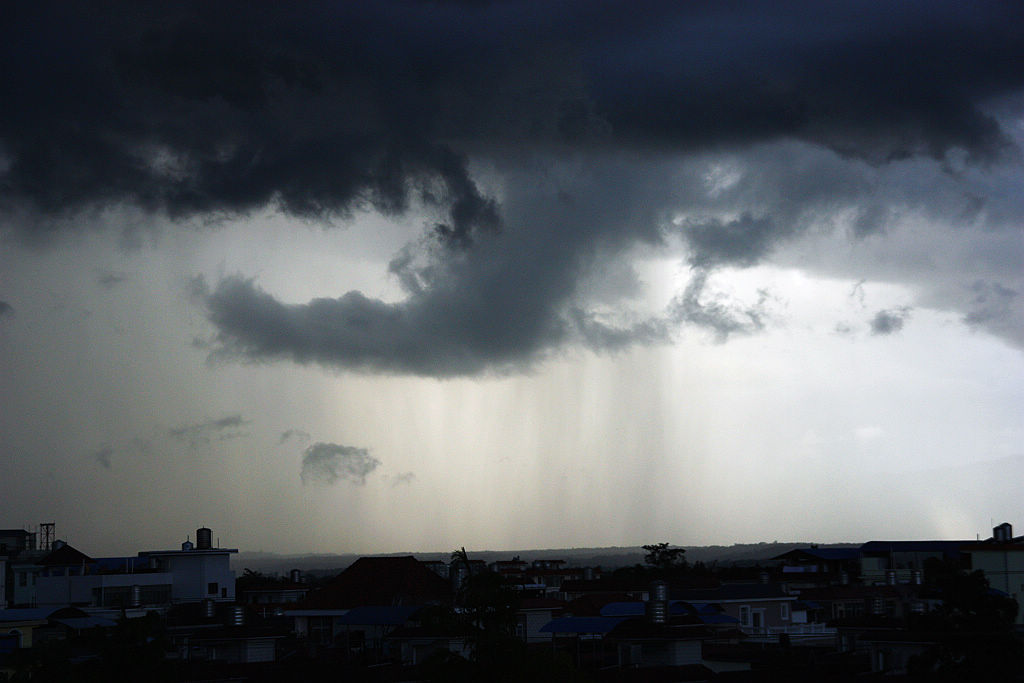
{"type": "Point", "coordinates": [381, 581]}
{"type": "Point", "coordinates": [65, 556]}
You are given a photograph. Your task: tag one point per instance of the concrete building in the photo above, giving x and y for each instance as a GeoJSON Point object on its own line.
{"type": "Point", "coordinates": [199, 572]}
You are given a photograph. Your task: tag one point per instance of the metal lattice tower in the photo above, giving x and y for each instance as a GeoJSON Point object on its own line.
{"type": "Point", "coordinates": [46, 530]}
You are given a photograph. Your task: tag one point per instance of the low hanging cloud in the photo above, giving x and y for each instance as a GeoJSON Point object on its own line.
{"type": "Point", "coordinates": [110, 279]}
{"type": "Point", "coordinates": [294, 434]}
{"type": "Point", "coordinates": [401, 478]}
{"type": "Point", "coordinates": [103, 456]}
{"type": "Point", "coordinates": [889, 321]}
{"type": "Point", "coordinates": [330, 462]}
{"type": "Point", "coordinates": [221, 429]}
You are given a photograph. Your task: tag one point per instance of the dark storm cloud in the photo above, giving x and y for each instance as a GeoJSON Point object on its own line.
{"type": "Point", "coordinates": [741, 242]}
{"type": "Point", "coordinates": [889, 321]}
{"type": "Point", "coordinates": [210, 110]}
{"type": "Point", "coordinates": [192, 108]}
{"type": "Point", "coordinates": [329, 462]}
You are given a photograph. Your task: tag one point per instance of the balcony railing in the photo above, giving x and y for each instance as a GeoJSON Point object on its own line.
{"type": "Point", "coordinates": [794, 631]}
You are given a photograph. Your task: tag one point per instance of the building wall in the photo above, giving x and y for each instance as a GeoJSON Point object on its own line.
{"type": "Point", "coordinates": [199, 575]}
{"type": "Point", "coordinates": [772, 612]}
{"type": "Point", "coordinates": [91, 589]}
{"type": "Point", "coordinates": [24, 589]}
{"type": "Point", "coordinates": [1004, 571]}
{"type": "Point", "coordinates": [661, 653]}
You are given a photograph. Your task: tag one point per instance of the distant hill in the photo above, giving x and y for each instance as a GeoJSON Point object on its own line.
{"type": "Point", "coordinates": [740, 554]}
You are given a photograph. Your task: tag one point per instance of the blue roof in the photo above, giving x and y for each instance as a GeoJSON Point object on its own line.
{"type": "Point", "coordinates": [26, 613]}
{"type": "Point", "coordinates": [636, 608]}
{"type": "Point", "coordinates": [379, 616]}
{"type": "Point", "coordinates": [835, 553]}
{"type": "Point", "coordinates": [949, 548]}
{"type": "Point", "coordinates": [79, 623]}
{"type": "Point", "coordinates": [623, 609]}
{"type": "Point", "coordinates": [707, 607]}
{"type": "Point", "coordinates": [582, 624]}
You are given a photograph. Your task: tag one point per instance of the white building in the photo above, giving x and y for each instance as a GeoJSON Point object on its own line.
{"type": "Point", "coordinates": [199, 572]}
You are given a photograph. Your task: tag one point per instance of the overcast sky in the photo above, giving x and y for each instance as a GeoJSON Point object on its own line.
{"type": "Point", "coordinates": [374, 277]}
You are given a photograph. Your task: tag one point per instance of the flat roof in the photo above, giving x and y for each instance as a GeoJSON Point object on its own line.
{"type": "Point", "coordinates": [194, 551]}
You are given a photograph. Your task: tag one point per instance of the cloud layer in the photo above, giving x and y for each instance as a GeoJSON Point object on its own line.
{"type": "Point", "coordinates": [540, 141]}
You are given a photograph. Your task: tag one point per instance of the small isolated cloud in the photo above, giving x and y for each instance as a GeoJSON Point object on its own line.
{"type": "Point", "coordinates": [329, 462]}
{"type": "Point", "coordinates": [103, 456]}
{"type": "Point", "coordinates": [844, 329]}
{"type": "Point", "coordinates": [6, 310]}
{"type": "Point", "coordinates": [204, 432]}
{"type": "Point", "coordinates": [889, 321]}
{"type": "Point", "coordinates": [296, 434]}
{"type": "Point", "coordinates": [402, 478]}
{"type": "Point", "coordinates": [109, 279]}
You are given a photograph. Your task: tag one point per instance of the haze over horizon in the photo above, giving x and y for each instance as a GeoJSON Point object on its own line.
{"type": "Point", "coordinates": [359, 277]}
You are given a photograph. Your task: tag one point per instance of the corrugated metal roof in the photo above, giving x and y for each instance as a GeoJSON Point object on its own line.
{"type": "Point", "coordinates": [26, 613]}
{"type": "Point", "coordinates": [379, 616]}
{"type": "Point", "coordinates": [582, 624]}
{"type": "Point", "coordinates": [79, 623]}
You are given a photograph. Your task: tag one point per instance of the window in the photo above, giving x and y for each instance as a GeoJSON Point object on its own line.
{"type": "Point", "coordinates": [224, 592]}
{"type": "Point", "coordinates": [22, 579]}
{"type": "Point", "coordinates": [212, 588]}
{"type": "Point", "coordinates": [744, 615]}
{"type": "Point", "coordinates": [784, 611]}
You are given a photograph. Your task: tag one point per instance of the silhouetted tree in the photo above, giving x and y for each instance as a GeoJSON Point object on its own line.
{"type": "Point", "coordinates": [974, 629]}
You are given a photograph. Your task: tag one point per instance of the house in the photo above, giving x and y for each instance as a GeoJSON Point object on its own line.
{"type": "Point", "coordinates": [831, 603]}
{"type": "Point", "coordinates": [757, 607]}
{"type": "Point", "coordinates": [382, 581]}
{"type": "Point", "coordinates": [895, 562]}
{"type": "Point", "coordinates": [531, 616]}
{"type": "Point", "coordinates": [201, 633]}
{"type": "Point", "coordinates": [1003, 566]}
{"type": "Point", "coordinates": [24, 627]}
{"type": "Point", "coordinates": [199, 572]}
{"type": "Point", "coordinates": [412, 645]}
{"type": "Point", "coordinates": [68, 577]}
{"type": "Point", "coordinates": [644, 644]}
{"type": "Point", "coordinates": [814, 566]}
{"type": "Point", "coordinates": [367, 582]}
{"type": "Point", "coordinates": [1001, 560]}
{"type": "Point", "coordinates": [13, 542]}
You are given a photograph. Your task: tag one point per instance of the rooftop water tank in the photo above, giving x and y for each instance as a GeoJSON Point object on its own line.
{"type": "Point", "coordinates": [204, 538]}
